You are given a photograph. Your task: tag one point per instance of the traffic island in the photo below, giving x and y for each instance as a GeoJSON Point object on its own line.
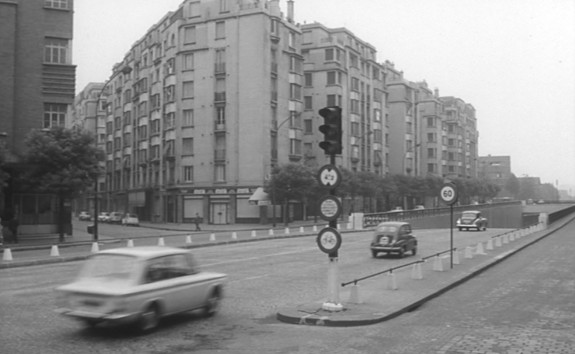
{"type": "Point", "coordinates": [314, 314]}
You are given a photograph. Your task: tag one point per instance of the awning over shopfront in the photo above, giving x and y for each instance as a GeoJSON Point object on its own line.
{"type": "Point", "coordinates": [259, 197]}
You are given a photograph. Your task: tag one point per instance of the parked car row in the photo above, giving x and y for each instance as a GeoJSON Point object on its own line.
{"type": "Point", "coordinates": [116, 217]}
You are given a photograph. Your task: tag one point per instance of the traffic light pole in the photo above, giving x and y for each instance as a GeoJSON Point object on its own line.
{"type": "Point", "coordinates": [333, 303]}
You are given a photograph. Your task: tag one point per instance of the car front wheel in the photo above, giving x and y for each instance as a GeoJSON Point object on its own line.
{"type": "Point", "coordinates": [414, 250]}
{"type": "Point", "coordinates": [374, 254]}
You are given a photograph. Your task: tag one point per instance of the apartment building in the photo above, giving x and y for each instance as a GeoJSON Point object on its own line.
{"type": "Point", "coordinates": [462, 138]}
{"type": "Point", "coordinates": [404, 122]}
{"type": "Point", "coordinates": [88, 113]}
{"type": "Point", "coordinates": [196, 110]}
{"type": "Point", "coordinates": [36, 90]}
{"type": "Point", "coordinates": [342, 70]}
{"type": "Point", "coordinates": [430, 110]}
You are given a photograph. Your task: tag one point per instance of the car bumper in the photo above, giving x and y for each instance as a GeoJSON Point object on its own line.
{"type": "Point", "coordinates": [96, 316]}
{"type": "Point", "coordinates": [386, 248]}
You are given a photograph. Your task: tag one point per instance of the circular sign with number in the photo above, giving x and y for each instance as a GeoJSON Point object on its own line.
{"type": "Point", "coordinates": [448, 193]}
{"type": "Point", "coordinates": [328, 240]}
{"type": "Point", "coordinates": [329, 176]}
{"type": "Point", "coordinates": [330, 208]}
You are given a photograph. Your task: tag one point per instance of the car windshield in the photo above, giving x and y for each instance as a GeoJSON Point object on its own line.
{"type": "Point", "coordinates": [469, 215]}
{"type": "Point", "coordinates": [108, 266]}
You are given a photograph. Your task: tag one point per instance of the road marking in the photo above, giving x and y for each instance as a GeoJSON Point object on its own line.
{"type": "Point", "coordinates": [248, 278]}
{"type": "Point", "coordinates": [259, 257]}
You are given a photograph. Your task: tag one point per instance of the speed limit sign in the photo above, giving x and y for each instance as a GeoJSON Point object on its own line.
{"type": "Point", "coordinates": [448, 193]}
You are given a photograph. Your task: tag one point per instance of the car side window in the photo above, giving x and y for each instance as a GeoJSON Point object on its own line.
{"type": "Point", "coordinates": [156, 270]}
{"type": "Point", "coordinates": [405, 230]}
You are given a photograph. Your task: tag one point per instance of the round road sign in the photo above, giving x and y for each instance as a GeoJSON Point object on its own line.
{"type": "Point", "coordinates": [330, 208]}
{"type": "Point", "coordinates": [329, 176]}
{"type": "Point", "coordinates": [448, 193]}
{"type": "Point", "coordinates": [328, 240]}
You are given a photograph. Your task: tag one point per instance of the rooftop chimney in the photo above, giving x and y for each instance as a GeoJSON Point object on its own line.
{"type": "Point", "coordinates": [290, 11]}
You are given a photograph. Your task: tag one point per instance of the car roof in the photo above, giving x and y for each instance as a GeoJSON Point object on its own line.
{"type": "Point", "coordinates": [145, 252]}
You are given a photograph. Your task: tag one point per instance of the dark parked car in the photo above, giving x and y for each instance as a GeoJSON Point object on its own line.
{"type": "Point", "coordinates": [393, 237]}
{"type": "Point", "coordinates": [471, 219]}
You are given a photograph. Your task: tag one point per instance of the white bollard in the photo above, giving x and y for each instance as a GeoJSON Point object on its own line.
{"type": "Point", "coordinates": [7, 256]}
{"type": "Point", "coordinates": [212, 237]}
{"type": "Point", "coordinates": [438, 264]}
{"type": "Point", "coordinates": [54, 252]}
{"type": "Point", "coordinates": [498, 241]}
{"type": "Point", "coordinates": [489, 245]}
{"type": "Point", "coordinates": [271, 233]}
{"type": "Point", "coordinates": [314, 228]}
{"type": "Point", "coordinates": [456, 257]}
{"type": "Point", "coordinates": [95, 247]}
{"type": "Point", "coordinates": [512, 237]}
{"type": "Point", "coordinates": [234, 236]}
{"type": "Point", "coordinates": [130, 243]}
{"type": "Point", "coordinates": [354, 296]}
{"type": "Point", "coordinates": [301, 229]}
{"type": "Point", "coordinates": [188, 240]}
{"type": "Point", "coordinates": [391, 282]}
{"type": "Point", "coordinates": [161, 241]}
{"type": "Point", "coordinates": [416, 272]}
{"type": "Point", "coordinates": [286, 231]}
{"type": "Point", "coordinates": [254, 233]}
{"type": "Point", "coordinates": [505, 239]}
{"type": "Point", "coordinates": [479, 249]}
{"type": "Point", "coordinates": [468, 253]}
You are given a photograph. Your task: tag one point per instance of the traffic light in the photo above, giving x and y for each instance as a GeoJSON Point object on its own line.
{"type": "Point", "coordinates": [331, 130]}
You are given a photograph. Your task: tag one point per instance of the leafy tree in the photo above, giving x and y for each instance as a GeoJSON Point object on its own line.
{"type": "Point", "coordinates": [512, 185]}
{"type": "Point", "coordinates": [291, 182]}
{"type": "Point", "coordinates": [63, 162]}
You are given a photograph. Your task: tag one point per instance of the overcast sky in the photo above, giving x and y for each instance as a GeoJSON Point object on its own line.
{"type": "Point", "coordinates": [513, 60]}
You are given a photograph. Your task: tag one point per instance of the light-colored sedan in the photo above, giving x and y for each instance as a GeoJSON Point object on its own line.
{"type": "Point", "coordinates": [130, 220]}
{"type": "Point", "coordinates": [140, 285]}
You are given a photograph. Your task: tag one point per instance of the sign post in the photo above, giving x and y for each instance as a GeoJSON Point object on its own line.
{"type": "Point", "coordinates": [448, 194]}
{"type": "Point", "coordinates": [329, 177]}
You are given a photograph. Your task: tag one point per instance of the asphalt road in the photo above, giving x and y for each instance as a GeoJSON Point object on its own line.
{"type": "Point", "coordinates": [268, 275]}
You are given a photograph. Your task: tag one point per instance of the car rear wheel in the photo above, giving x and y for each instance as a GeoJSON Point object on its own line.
{"type": "Point", "coordinates": [149, 319]}
{"type": "Point", "coordinates": [212, 303]}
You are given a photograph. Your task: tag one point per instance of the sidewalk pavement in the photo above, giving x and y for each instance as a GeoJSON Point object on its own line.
{"type": "Point", "coordinates": [390, 294]}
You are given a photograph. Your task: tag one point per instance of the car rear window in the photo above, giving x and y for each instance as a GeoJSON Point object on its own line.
{"type": "Point", "coordinates": [115, 266]}
{"type": "Point", "coordinates": [390, 229]}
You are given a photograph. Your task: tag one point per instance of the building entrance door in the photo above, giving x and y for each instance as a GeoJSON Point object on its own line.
{"type": "Point", "coordinates": [219, 213]}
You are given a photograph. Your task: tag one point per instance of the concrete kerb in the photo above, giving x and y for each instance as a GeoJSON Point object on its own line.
{"type": "Point", "coordinates": [366, 314]}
